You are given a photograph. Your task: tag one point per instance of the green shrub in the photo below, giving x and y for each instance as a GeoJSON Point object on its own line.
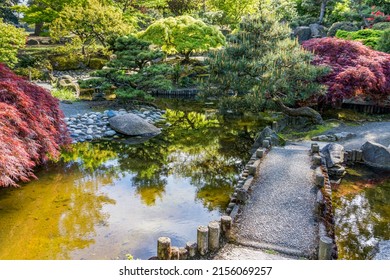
{"type": "Point", "coordinates": [343, 25]}
{"type": "Point", "coordinates": [31, 73]}
{"type": "Point", "coordinates": [384, 42]}
{"type": "Point", "coordinates": [381, 26]}
{"type": "Point", "coordinates": [70, 62]}
{"type": "Point", "coordinates": [97, 63]}
{"type": "Point", "coordinates": [368, 37]}
{"type": "Point", "coordinates": [64, 94]}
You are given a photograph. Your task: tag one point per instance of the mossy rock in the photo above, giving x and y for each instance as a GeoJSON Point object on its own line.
{"type": "Point", "coordinates": [343, 25]}
{"type": "Point", "coordinates": [65, 63]}
{"type": "Point", "coordinates": [97, 63]}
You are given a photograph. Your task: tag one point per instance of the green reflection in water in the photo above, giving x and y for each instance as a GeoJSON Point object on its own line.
{"type": "Point", "coordinates": [79, 201]}
{"type": "Point", "coordinates": [362, 213]}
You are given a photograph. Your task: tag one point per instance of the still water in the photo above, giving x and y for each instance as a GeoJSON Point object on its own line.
{"type": "Point", "coordinates": [362, 212]}
{"type": "Point", "coordinates": [104, 200]}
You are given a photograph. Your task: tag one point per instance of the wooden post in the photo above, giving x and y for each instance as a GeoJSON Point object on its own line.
{"type": "Point", "coordinates": [214, 234]}
{"type": "Point", "coordinates": [226, 225]}
{"type": "Point", "coordinates": [325, 248]}
{"type": "Point", "coordinates": [191, 248]}
{"type": "Point", "coordinates": [163, 248]}
{"type": "Point", "coordinates": [202, 240]}
{"type": "Point", "coordinates": [183, 253]}
{"type": "Point", "coordinates": [174, 253]}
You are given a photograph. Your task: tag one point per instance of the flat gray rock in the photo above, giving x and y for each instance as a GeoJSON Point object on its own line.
{"type": "Point", "coordinates": [132, 125]}
{"type": "Point", "coordinates": [376, 155]}
{"type": "Point", "coordinates": [334, 154]}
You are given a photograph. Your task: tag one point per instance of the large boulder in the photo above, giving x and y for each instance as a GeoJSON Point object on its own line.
{"type": "Point", "coordinates": [334, 154]}
{"type": "Point", "coordinates": [317, 30]}
{"type": "Point", "coordinates": [376, 155]}
{"type": "Point", "coordinates": [132, 125]}
{"type": "Point", "coordinates": [303, 33]}
{"type": "Point", "coordinates": [276, 140]}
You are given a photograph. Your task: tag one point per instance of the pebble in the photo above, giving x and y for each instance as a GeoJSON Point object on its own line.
{"type": "Point", "coordinates": [95, 125]}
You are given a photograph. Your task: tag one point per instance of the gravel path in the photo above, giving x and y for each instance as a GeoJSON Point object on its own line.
{"type": "Point", "coordinates": [280, 214]}
{"type": "Point", "coordinates": [378, 132]}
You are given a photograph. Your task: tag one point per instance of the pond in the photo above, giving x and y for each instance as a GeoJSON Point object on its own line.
{"type": "Point", "coordinates": [362, 212]}
{"type": "Point", "coordinates": [104, 200]}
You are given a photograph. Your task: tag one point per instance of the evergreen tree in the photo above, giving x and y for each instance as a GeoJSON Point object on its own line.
{"type": "Point", "coordinates": [133, 73]}
{"type": "Point", "coordinates": [263, 67]}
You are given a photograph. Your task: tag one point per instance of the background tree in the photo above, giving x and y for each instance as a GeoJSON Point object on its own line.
{"type": "Point", "coordinates": [11, 39]}
{"type": "Point", "coordinates": [356, 70]}
{"type": "Point", "coordinates": [183, 35]}
{"type": "Point", "coordinates": [41, 12]}
{"type": "Point", "coordinates": [90, 21]}
{"type": "Point", "coordinates": [133, 72]}
{"type": "Point", "coordinates": [181, 7]}
{"type": "Point", "coordinates": [6, 12]}
{"type": "Point", "coordinates": [233, 10]}
{"type": "Point", "coordinates": [263, 67]}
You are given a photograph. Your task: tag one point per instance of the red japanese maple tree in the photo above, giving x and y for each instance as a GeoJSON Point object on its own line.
{"type": "Point", "coordinates": [356, 70]}
{"type": "Point", "coordinates": [31, 127]}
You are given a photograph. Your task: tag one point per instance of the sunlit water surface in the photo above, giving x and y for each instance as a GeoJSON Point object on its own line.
{"type": "Point", "coordinates": [362, 212]}
{"type": "Point", "coordinates": [108, 199]}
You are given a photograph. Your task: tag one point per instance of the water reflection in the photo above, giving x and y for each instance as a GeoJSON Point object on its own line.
{"type": "Point", "coordinates": [104, 200]}
{"type": "Point", "coordinates": [362, 213]}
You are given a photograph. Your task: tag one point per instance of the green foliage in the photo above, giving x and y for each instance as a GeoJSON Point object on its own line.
{"type": "Point", "coordinates": [64, 94]}
{"type": "Point", "coordinates": [233, 10]}
{"type": "Point", "coordinates": [368, 37]}
{"type": "Point", "coordinates": [133, 73]}
{"type": "Point", "coordinates": [347, 26]}
{"type": "Point", "coordinates": [42, 11]}
{"type": "Point", "coordinates": [11, 39]}
{"type": "Point", "coordinates": [6, 12]}
{"type": "Point", "coordinates": [384, 42]}
{"type": "Point", "coordinates": [381, 26]}
{"type": "Point", "coordinates": [91, 21]}
{"type": "Point", "coordinates": [261, 63]}
{"type": "Point", "coordinates": [183, 35]}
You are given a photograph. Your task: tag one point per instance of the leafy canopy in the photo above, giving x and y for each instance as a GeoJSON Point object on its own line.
{"type": "Point", "coordinates": [183, 34]}
{"type": "Point", "coordinates": [133, 73]}
{"type": "Point", "coordinates": [91, 21]}
{"type": "Point", "coordinates": [11, 39]}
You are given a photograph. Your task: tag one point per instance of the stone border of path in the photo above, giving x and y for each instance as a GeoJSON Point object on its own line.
{"type": "Point", "coordinates": [210, 238]}
{"type": "Point", "coordinates": [327, 242]}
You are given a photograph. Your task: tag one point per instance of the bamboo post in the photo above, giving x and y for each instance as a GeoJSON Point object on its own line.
{"type": "Point", "coordinates": [325, 248]}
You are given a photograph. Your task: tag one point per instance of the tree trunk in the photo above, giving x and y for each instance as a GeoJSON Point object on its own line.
{"type": "Point", "coordinates": [322, 12]}
{"type": "Point", "coordinates": [307, 112]}
{"type": "Point", "coordinates": [38, 28]}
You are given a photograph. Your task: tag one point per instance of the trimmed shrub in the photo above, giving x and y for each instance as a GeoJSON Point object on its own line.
{"type": "Point", "coordinates": [368, 37]}
{"type": "Point", "coordinates": [356, 69]}
{"type": "Point", "coordinates": [31, 128]}
{"type": "Point", "coordinates": [97, 63]}
{"type": "Point", "coordinates": [343, 25]}
{"type": "Point", "coordinates": [384, 42]}
{"type": "Point", "coordinates": [381, 26]}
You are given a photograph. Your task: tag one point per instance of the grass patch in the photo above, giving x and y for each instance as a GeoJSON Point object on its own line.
{"type": "Point", "coordinates": [64, 94]}
{"type": "Point", "coordinates": [308, 133]}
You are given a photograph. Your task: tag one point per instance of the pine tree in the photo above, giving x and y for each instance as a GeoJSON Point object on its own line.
{"type": "Point", "coordinates": [263, 67]}
{"type": "Point", "coordinates": [133, 72]}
